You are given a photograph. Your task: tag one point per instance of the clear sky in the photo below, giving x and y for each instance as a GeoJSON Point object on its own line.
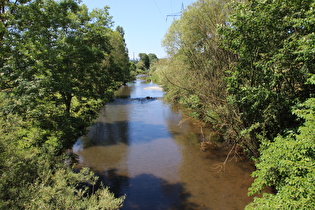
{"type": "Point", "coordinates": [145, 21]}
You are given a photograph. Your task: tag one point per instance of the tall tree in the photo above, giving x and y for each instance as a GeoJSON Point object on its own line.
{"type": "Point", "coordinates": [145, 59]}
{"type": "Point", "coordinates": [198, 64]}
{"type": "Point", "coordinates": [152, 58]}
{"type": "Point", "coordinates": [273, 66]}
{"type": "Point", "coordinates": [55, 73]}
{"type": "Point", "coordinates": [119, 55]}
{"type": "Point", "coordinates": [58, 53]}
{"type": "Point", "coordinates": [68, 55]}
{"type": "Point", "coordinates": [274, 74]}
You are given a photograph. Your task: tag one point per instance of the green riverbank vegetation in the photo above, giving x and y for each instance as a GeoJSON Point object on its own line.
{"type": "Point", "coordinates": [144, 64]}
{"type": "Point", "coordinates": [247, 69]}
{"type": "Point", "coordinates": [59, 64]}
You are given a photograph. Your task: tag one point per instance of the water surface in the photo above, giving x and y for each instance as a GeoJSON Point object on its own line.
{"type": "Point", "coordinates": [143, 149]}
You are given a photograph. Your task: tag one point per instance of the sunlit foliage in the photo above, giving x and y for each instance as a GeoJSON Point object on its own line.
{"type": "Point", "coordinates": [194, 73]}
{"type": "Point", "coordinates": [247, 68]}
{"type": "Point", "coordinates": [270, 39]}
{"type": "Point", "coordinates": [288, 164]}
{"type": "Point", "coordinates": [59, 63]}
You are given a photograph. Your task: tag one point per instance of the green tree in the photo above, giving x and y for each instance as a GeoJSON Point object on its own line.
{"type": "Point", "coordinates": [56, 71]}
{"type": "Point", "coordinates": [141, 65]}
{"type": "Point", "coordinates": [32, 177]}
{"type": "Point", "coordinates": [57, 55]}
{"type": "Point", "coordinates": [287, 164]}
{"type": "Point", "coordinates": [271, 71]}
{"type": "Point", "coordinates": [119, 55]}
{"type": "Point", "coordinates": [273, 75]}
{"type": "Point", "coordinates": [145, 59]}
{"type": "Point", "coordinates": [5, 13]}
{"type": "Point", "coordinates": [152, 58]}
{"type": "Point", "coordinates": [195, 73]}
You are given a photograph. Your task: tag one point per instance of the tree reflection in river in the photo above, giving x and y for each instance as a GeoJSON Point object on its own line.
{"type": "Point", "coordinates": [147, 191]}
{"type": "Point", "coordinates": [111, 127]}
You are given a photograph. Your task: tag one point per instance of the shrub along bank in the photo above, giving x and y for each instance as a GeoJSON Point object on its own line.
{"type": "Point", "coordinates": [246, 68]}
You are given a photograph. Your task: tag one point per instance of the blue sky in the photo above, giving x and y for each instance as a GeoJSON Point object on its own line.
{"type": "Point", "coordinates": [144, 21]}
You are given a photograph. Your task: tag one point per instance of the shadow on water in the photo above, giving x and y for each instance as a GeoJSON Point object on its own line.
{"type": "Point", "coordinates": [146, 191]}
{"type": "Point", "coordinates": [108, 134]}
{"type": "Point", "coordinates": [120, 122]}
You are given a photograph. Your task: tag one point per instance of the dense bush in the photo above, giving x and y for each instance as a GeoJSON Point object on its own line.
{"type": "Point", "coordinates": [288, 164]}
{"type": "Point", "coordinates": [242, 68]}
{"type": "Point", "coordinates": [34, 177]}
{"type": "Point", "coordinates": [59, 64]}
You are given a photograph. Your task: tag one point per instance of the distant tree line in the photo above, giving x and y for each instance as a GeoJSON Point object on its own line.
{"type": "Point", "coordinates": [247, 69]}
{"type": "Point", "coordinates": [59, 64]}
{"type": "Point", "coordinates": [144, 64]}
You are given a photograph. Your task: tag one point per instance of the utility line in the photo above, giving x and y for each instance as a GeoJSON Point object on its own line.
{"type": "Point", "coordinates": [158, 8]}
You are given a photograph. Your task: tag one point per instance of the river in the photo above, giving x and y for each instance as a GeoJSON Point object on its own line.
{"type": "Point", "coordinates": [144, 149]}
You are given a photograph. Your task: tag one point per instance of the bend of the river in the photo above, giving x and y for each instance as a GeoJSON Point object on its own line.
{"type": "Point", "coordinates": [143, 149]}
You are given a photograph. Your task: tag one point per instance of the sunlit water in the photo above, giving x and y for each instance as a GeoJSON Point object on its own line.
{"type": "Point", "coordinates": [143, 149]}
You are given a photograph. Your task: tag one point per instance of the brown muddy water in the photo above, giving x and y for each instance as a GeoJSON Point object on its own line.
{"type": "Point", "coordinates": [143, 149]}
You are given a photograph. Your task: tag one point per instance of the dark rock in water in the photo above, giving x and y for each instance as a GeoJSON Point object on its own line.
{"type": "Point", "coordinates": [145, 99]}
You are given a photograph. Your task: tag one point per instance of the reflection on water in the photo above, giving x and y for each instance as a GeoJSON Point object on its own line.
{"type": "Point", "coordinates": [142, 148]}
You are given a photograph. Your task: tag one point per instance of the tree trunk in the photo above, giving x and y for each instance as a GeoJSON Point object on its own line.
{"type": "Point", "coordinates": [67, 97]}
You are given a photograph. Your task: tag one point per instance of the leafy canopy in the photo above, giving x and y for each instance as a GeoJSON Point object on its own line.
{"type": "Point", "coordinates": [58, 66]}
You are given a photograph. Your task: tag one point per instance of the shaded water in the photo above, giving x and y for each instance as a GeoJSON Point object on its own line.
{"type": "Point", "coordinates": [143, 149]}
